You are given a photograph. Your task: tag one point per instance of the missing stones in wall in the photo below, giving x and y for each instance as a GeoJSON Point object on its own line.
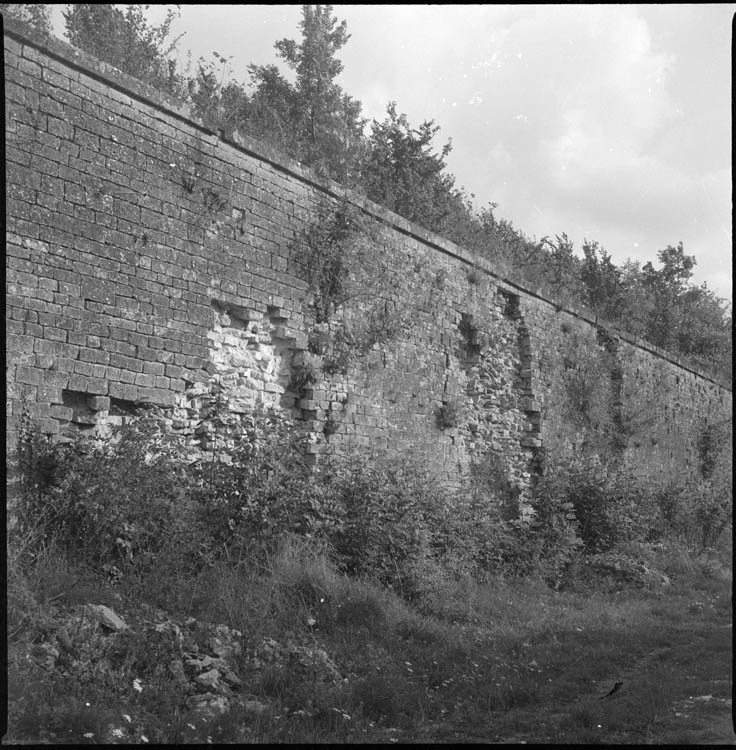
{"type": "Point", "coordinates": [331, 423]}
{"type": "Point", "coordinates": [512, 306]}
{"type": "Point", "coordinates": [84, 412]}
{"type": "Point", "coordinates": [448, 415]}
{"type": "Point", "coordinates": [615, 405]}
{"type": "Point", "coordinates": [707, 452]}
{"type": "Point", "coordinates": [713, 439]}
{"type": "Point", "coordinates": [593, 385]}
{"type": "Point", "coordinates": [469, 333]}
{"type": "Point", "coordinates": [251, 352]}
{"type": "Point", "coordinates": [440, 279]}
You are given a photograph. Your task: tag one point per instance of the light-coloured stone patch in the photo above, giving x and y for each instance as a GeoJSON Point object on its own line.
{"type": "Point", "coordinates": [251, 358]}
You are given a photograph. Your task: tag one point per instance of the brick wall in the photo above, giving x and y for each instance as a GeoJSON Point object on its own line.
{"type": "Point", "coordinates": [149, 259]}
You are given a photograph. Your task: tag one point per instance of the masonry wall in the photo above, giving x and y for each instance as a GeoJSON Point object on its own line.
{"type": "Point", "coordinates": [152, 262]}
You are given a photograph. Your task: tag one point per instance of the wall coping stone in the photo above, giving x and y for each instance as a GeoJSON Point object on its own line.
{"type": "Point", "coordinates": [105, 73]}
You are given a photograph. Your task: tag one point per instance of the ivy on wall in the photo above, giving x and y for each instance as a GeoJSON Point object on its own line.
{"type": "Point", "coordinates": [351, 306]}
{"type": "Point", "coordinates": [591, 381]}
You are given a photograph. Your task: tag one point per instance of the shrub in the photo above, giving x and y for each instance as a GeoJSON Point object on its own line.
{"type": "Point", "coordinates": [448, 415]}
{"type": "Point", "coordinates": [541, 545]}
{"type": "Point", "coordinates": [388, 510]}
{"type": "Point", "coordinates": [108, 504]}
{"type": "Point", "coordinates": [265, 492]}
{"type": "Point", "coordinates": [610, 505]}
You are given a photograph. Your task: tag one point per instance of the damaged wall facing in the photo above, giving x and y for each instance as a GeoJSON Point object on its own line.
{"type": "Point", "coordinates": [152, 261]}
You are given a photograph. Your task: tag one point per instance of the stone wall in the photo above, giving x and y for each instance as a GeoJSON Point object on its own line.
{"type": "Point", "coordinates": [151, 261]}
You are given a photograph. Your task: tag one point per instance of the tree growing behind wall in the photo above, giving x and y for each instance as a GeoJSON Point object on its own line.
{"type": "Point", "coordinates": [127, 40]}
{"type": "Point", "coordinates": [326, 120]}
{"type": "Point", "coordinates": [37, 15]}
{"type": "Point", "coordinates": [404, 173]}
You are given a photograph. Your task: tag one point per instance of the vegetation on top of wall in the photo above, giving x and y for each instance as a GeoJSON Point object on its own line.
{"type": "Point", "coordinates": [37, 15]}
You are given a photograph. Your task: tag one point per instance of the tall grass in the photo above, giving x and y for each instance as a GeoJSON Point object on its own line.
{"type": "Point", "coordinates": [437, 610]}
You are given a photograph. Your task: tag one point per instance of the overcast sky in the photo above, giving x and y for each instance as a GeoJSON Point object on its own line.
{"type": "Point", "coordinates": [607, 122]}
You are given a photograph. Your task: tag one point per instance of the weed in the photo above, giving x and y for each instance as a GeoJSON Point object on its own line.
{"type": "Point", "coordinates": [475, 275]}
{"type": "Point", "coordinates": [351, 309]}
{"type": "Point", "coordinates": [448, 415]}
{"type": "Point", "coordinates": [188, 181]}
{"type": "Point", "coordinates": [213, 201]}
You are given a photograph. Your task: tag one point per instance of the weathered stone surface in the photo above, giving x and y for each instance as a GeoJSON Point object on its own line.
{"type": "Point", "coordinates": [112, 302]}
{"type": "Point", "coordinates": [209, 679]}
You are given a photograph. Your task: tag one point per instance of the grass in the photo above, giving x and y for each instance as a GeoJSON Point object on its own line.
{"type": "Point", "coordinates": [518, 661]}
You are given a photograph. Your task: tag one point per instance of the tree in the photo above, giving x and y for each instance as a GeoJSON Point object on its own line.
{"type": "Point", "coordinates": [701, 326]}
{"type": "Point", "coordinates": [561, 269]}
{"type": "Point", "coordinates": [666, 285]}
{"type": "Point", "coordinates": [677, 269]}
{"type": "Point", "coordinates": [604, 292]}
{"type": "Point", "coordinates": [126, 40]}
{"type": "Point", "coordinates": [319, 121]}
{"type": "Point", "coordinates": [36, 15]}
{"type": "Point", "coordinates": [661, 306]}
{"type": "Point", "coordinates": [273, 109]}
{"type": "Point", "coordinates": [404, 173]}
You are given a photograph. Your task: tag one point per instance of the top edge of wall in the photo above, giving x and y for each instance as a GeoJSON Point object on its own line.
{"type": "Point", "coordinates": [111, 76]}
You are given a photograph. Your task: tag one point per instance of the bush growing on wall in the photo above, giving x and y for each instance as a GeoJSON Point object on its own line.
{"type": "Point", "coordinates": [338, 257]}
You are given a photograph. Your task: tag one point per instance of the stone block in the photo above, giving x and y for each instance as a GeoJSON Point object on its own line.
{"type": "Point", "coordinates": [531, 442]}
{"type": "Point", "coordinates": [62, 413]}
{"type": "Point", "coordinates": [98, 403]}
{"type": "Point", "coordinates": [530, 404]}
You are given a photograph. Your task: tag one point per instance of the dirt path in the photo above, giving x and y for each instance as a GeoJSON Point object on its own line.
{"type": "Point", "coordinates": [679, 693]}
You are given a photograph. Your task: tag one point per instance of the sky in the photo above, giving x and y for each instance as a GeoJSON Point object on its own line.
{"type": "Point", "coordinates": [606, 122]}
